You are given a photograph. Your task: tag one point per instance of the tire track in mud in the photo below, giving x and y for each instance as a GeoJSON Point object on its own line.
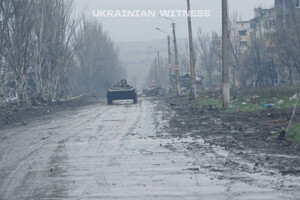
{"type": "Point", "coordinates": [109, 139]}
{"type": "Point", "coordinates": [128, 131]}
{"type": "Point", "coordinates": [123, 151]}
{"type": "Point", "coordinates": [42, 139]}
{"type": "Point", "coordinates": [118, 146]}
{"type": "Point", "coordinates": [31, 145]}
{"type": "Point", "coordinates": [101, 182]}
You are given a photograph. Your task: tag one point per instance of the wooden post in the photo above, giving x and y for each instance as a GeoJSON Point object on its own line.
{"type": "Point", "coordinates": [293, 115]}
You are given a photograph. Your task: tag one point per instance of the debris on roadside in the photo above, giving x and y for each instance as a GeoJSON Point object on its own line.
{"type": "Point", "coordinates": [280, 102]}
{"type": "Point", "coordinates": [281, 135]}
{"type": "Point", "coordinates": [294, 97]}
{"type": "Point", "coordinates": [268, 105]}
{"type": "Point", "coordinates": [231, 107]}
{"type": "Point", "coordinates": [152, 91]}
{"type": "Point", "coordinates": [23, 115]}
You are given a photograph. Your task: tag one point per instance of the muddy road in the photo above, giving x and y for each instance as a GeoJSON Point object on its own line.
{"type": "Point", "coordinates": [127, 151]}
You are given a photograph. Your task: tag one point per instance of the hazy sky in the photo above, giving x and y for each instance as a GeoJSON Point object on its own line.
{"type": "Point", "coordinates": [143, 28]}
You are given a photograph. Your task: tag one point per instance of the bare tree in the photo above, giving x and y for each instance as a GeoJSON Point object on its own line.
{"type": "Point", "coordinates": [36, 46]}
{"type": "Point", "coordinates": [286, 38]}
{"type": "Point", "coordinates": [54, 31]}
{"type": "Point", "coordinates": [5, 14]}
{"type": "Point", "coordinates": [183, 57]}
{"type": "Point", "coordinates": [20, 46]}
{"type": "Point", "coordinates": [236, 53]}
{"type": "Point", "coordinates": [97, 59]}
{"type": "Point", "coordinates": [260, 62]}
{"type": "Point", "coordinates": [208, 49]}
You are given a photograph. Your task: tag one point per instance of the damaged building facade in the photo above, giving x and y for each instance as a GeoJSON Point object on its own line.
{"type": "Point", "coordinates": [255, 36]}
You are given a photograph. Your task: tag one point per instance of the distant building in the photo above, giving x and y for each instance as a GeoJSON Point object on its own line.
{"type": "Point", "coordinates": [263, 22]}
{"type": "Point", "coordinates": [240, 34]}
{"type": "Point", "coordinates": [244, 33]}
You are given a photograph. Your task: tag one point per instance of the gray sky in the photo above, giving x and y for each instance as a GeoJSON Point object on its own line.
{"type": "Point", "coordinates": [143, 29]}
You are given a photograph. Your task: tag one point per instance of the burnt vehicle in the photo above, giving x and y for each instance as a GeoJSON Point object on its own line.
{"type": "Point", "coordinates": [185, 81]}
{"type": "Point", "coordinates": [152, 91]}
{"type": "Point", "coordinates": [121, 91]}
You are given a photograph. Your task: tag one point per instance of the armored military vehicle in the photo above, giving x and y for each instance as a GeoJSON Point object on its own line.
{"type": "Point", "coordinates": [121, 91]}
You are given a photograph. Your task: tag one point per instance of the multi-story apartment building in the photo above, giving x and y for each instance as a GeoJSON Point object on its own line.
{"type": "Point", "coordinates": [239, 34]}
{"type": "Point", "coordinates": [243, 33]}
{"type": "Point", "coordinates": [262, 23]}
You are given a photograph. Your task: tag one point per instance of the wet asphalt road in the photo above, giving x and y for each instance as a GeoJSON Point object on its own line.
{"type": "Point", "coordinates": [112, 152]}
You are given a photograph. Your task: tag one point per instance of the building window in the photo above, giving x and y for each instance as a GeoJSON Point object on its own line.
{"type": "Point", "coordinates": [243, 43]}
{"type": "Point", "coordinates": [298, 3]}
{"type": "Point", "coordinates": [243, 32]}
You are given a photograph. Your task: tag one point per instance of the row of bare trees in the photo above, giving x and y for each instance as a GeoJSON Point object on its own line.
{"type": "Point", "coordinates": [97, 64]}
{"type": "Point", "coordinates": [208, 49]}
{"type": "Point", "coordinates": [286, 38]}
{"type": "Point", "coordinates": [158, 73]}
{"type": "Point", "coordinates": [43, 49]}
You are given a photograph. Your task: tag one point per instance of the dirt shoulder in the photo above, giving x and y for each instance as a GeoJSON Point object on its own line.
{"type": "Point", "coordinates": [22, 115]}
{"type": "Point", "coordinates": [251, 135]}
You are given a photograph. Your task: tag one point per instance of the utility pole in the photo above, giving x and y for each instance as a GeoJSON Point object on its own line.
{"type": "Point", "coordinates": [156, 72]}
{"type": "Point", "coordinates": [225, 57]}
{"type": "Point", "coordinates": [170, 66]}
{"type": "Point", "coordinates": [152, 72]}
{"type": "Point", "coordinates": [176, 62]}
{"type": "Point", "coordinates": [176, 67]}
{"type": "Point", "coordinates": [150, 76]}
{"type": "Point", "coordinates": [193, 92]}
{"type": "Point", "coordinates": [157, 68]}
{"type": "Point", "coordinates": [171, 87]}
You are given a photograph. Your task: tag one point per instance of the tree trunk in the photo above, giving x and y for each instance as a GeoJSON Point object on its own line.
{"type": "Point", "coordinates": [291, 76]}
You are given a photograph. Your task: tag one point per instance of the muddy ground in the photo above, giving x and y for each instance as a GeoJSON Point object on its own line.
{"type": "Point", "coordinates": [254, 136]}
{"type": "Point", "coordinates": [257, 132]}
{"type": "Point", "coordinates": [14, 115]}
{"type": "Point", "coordinates": [155, 149]}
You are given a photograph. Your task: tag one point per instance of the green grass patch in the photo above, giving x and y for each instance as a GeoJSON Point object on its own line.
{"type": "Point", "coordinates": [217, 103]}
{"type": "Point", "coordinates": [168, 96]}
{"type": "Point", "coordinates": [256, 99]}
{"type": "Point", "coordinates": [243, 106]}
{"type": "Point", "coordinates": [294, 133]}
{"type": "Point", "coordinates": [253, 103]}
{"type": "Point", "coordinates": [247, 104]}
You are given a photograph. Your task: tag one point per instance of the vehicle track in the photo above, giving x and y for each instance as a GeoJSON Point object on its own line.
{"type": "Point", "coordinates": [120, 151]}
